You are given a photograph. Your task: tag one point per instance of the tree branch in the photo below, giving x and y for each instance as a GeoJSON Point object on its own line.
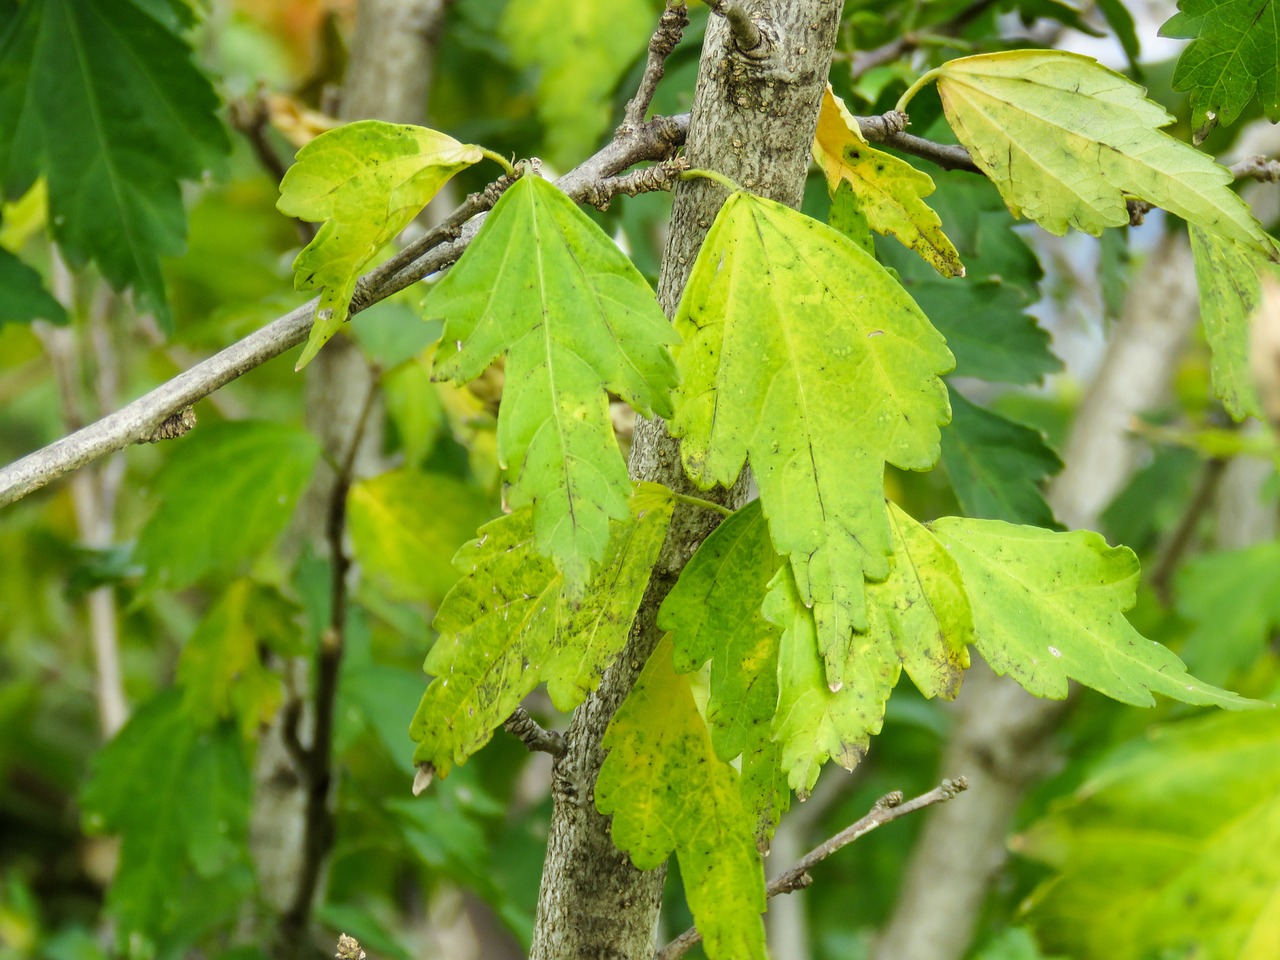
{"type": "Point", "coordinates": [138, 421]}
{"type": "Point", "coordinates": [746, 34]}
{"type": "Point", "coordinates": [887, 809]}
{"type": "Point", "coordinates": [529, 732]}
{"type": "Point", "coordinates": [670, 29]}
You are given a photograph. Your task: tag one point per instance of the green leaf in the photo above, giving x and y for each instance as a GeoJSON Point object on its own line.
{"type": "Point", "coordinates": [178, 795]}
{"type": "Point", "coordinates": [919, 618]}
{"type": "Point", "coordinates": [366, 181]}
{"type": "Point", "coordinates": [510, 622]}
{"type": "Point", "coordinates": [1066, 140]}
{"type": "Point", "coordinates": [667, 791]}
{"type": "Point", "coordinates": [1120, 20]}
{"type": "Point", "coordinates": [890, 191]}
{"type": "Point", "coordinates": [543, 284]}
{"type": "Point", "coordinates": [223, 496]}
{"type": "Point", "coordinates": [581, 51]}
{"type": "Point", "coordinates": [221, 671]}
{"type": "Point", "coordinates": [23, 297]}
{"type": "Point", "coordinates": [777, 298]}
{"type": "Point", "coordinates": [1232, 600]}
{"type": "Point", "coordinates": [1049, 606]}
{"type": "Point", "coordinates": [997, 466]}
{"type": "Point", "coordinates": [1165, 850]}
{"type": "Point", "coordinates": [405, 525]}
{"type": "Point", "coordinates": [105, 101]}
{"type": "Point", "coordinates": [1234, 54]}
{"type": "Point", "coordinates": [1227, 276]}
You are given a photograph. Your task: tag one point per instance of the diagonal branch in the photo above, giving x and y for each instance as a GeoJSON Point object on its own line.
{"type": "Point", "coordinates": [887, 809]}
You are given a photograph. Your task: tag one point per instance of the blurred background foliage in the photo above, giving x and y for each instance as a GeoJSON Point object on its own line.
{"type": "Point", "coordinates": [189, 559]}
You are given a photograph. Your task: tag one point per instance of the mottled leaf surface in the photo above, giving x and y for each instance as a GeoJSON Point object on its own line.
{"type": "Point", "coordinates": [1227, 277]}
{"type": "Point", "coordinates": [544, 285]}
{"type": "Point", "coordinates": [1049, 606]}
{"type": "Point", "coordinates": [1166, 849]}
{"type": "Point", "coordinates": [510, 623]}
{"type": "Point", "coordinates": [365, 181]}
{"type": "Point", "coordinates": [1234, 55]}
{"type": "Point", "coordinates": [1066, 140]}
{"type": "Point", "coordinates": [778, 299]}
{"type": "Point", "coordinates": [224, 494]}
{"type": "Point", "coordinates": [104, 101]}
{"type": "Point", "coordinates": [890, 192]}
{"type": "Point", "coordinates": [668, 791]}
{"type": "Point", "coordinates": [997, 467]}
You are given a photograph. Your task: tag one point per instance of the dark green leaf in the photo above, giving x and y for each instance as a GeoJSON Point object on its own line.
{"type": "Point", "coordinates": [23, 297]}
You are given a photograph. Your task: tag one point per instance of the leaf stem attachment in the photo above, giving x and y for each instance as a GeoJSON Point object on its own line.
{"type": "Point", "coordinates": [911, 91]}
{"type": "Point", "coordinates": [499, 159]}
{"type": "Point", "coordinates": [715, 175]}
{"type": "Point", "coordinates": [701, 504]}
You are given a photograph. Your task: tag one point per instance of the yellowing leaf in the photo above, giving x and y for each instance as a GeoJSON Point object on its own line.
{"type": "Point", "coordinates": [1049, 606]}
{"type": "Point", "coordinates": [1168, 849]}
{"type": "Point", "coordinates": [509, 623]}
{"type": "Point", "coordinates": [1227, 277]}
{"type": "Point", "coordinates": [890, 192]}
{"type": "Point", "coordinates": [667, 790]}
{"type": "Point", "coordinates": [1065, 140]}
{"type": "Point", "coordinates": [544, 285]}
{"type": "Point", "coordinates": [919, 618]}
{"type": "Point", "coordinates": [784, 321]}
{"type": "Point", "coordinates": [366, 181]}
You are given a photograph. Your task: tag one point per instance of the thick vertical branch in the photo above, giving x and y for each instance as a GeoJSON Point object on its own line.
{"type": "Point", "coordinates": [753, 119]}
{"type": "Point", "coordinates": [1001, 738]}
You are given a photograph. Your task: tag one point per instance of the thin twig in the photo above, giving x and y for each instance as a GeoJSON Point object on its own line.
{"type": "Point", "coordinates": [1175, 548]}
{"type": "Point", "coordinates": [746, 34]}
{"type": "Point", "coordinates": [251, 117]}
{"type": "Point", "coordinates": [661, 176]}
{"type": "Point", "coordinates": [136, 421]}
{"type": "Point", "coordinates": [528, 731]}
{"type": "Point", "coordinates": [670, 29]}
{"type": "Point", "coordinates": [1257, 168]}
{"type": "Point", "coordinates": [887, 809]}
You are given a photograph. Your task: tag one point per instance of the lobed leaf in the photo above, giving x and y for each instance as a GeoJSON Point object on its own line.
{"type": "Point", "coordinates": [890, 192]}
{"type": "Point", "coordinates": [778, 299]}
{"type": "Point", "coordinates": [1164, 849]}
{"type": "Point", "coordinates": [511, 622]}
{"type": "Point", "coordinates": [1066, 141]}
{"type": "Point", "coordinates": [1049, 606]}
{"type": "Point", "coordinates": [1227, 277]}
{"type": "Point", "coordinates": [1234, 54]}
{"type": "Point", "coordinates": [365, 181]}
{"type": "Point", "coordinates": [997, 466]}
{"type": "Point", "coordinates": [667, 791]}
{"type": "Point", "coordinates": [544, 285]}
{"type": "Point", "coordinates": [103, 99]}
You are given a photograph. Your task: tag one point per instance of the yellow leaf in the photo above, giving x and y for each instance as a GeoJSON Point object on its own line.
{"type": "Point", "coordinates": [889, 191]}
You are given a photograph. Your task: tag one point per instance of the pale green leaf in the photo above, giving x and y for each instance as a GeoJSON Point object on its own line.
{"type": "Point", "coordinates": [1232, 601]}
{"type": "Point", "coordinates": [919, 618]}
{"type": "Point", "coordinates": [1049, 606]}
{"type": "Point", "coordinates": [365, 181]}
{"type": "Point", "coordinates": [668, 791]}
{"type": "Point", "coordinates": [890, 191]}
{"type": "Point", "coordinates": [1234, 53]}
{"type": "Point", "coordinates": [780, 300]}
{"type": "Point", "coordinates": [104, 101]}
{"type": "Point", "coordinates": [544, 285]}
{"type": "Point", "coordinates": [1066, 140]}
{"type": "Point", "coordinates": [1168, 849]}
{"type": "Point", "coordinates": [406, 525]}
{"type": "Point", "coordinates": [997, 466]}
{"type": "Point", "coordinates": [510, 623]}
{"type": "Point", "coordinates": [225, 493]}
{"type": "Point", "coordinates": [178, 795]}
{"type": "Point", "coordinates": [581, 51]}
{"type": "Point", "coordinates": [1227, 276]}
{"type": "Point", "coordinates": [221, 670]}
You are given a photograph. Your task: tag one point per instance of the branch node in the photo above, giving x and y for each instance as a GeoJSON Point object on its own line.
{"type": "Point", "coordinates": [889, 801]}
{"type": "Point", "coordinates": [349, 949]}
{"type": "Point", "coordinates": [744, 31]}
{"type": "Point", "coordinates": [173, 426]}
{"type": "Point", "coordinates": [532, 735]}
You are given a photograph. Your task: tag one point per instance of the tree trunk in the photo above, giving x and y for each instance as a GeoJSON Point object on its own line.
{"type": "Point", "coordinates": [753, 119]}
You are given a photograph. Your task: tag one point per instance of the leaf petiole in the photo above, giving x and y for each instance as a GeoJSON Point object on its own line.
{"type": "Point", "coordinates": [718, 177]}
{"type": "Point", "coordinates": [911, 91]}
{"type": "Point", "coordinates": [700, 503]}
{"type": "Point", "coordinates": [499, 159]}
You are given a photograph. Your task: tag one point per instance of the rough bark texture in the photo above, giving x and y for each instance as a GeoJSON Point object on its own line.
{"type": "Point", "coordinates": [753, 119]}
{"type": "Point", "coordinates": [1001, 740]}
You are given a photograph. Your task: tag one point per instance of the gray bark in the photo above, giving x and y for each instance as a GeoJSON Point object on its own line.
{"type": "Point", "coordinates": [1001, 739]}
{"type": "Point", "coordinates": [753, 119]}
